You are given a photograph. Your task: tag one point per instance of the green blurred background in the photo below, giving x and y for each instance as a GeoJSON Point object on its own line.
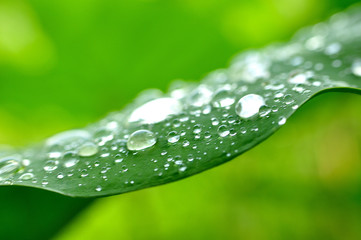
{"type": "Point", "coordinates": [67, 63]}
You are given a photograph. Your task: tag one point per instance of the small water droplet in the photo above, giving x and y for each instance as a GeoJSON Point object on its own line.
{"type": "Point", "coordinates": [60, 176]}
{"type": "Point", "coordinates": [186, 143]}
{"type": "Point", "coordinates": [223, 131]}
{"type": "Point", "coordinates": [356, 67]}
{"type": "Point", "coordinates": [51, 165]}
{"type": "Point", "coordinates": [250, 67]}
{"type": "Point", "coordinates": [299, 78]}
{"type": "Point", "coordinates": [222, 99]}
{"type": "Point", "coordinates": [68, 137]}
{"type": "Point", "coordinates": [315, 43]}
{"type": "Point", "coordinates": [264, 111]}
{"type": "Point", "coordinates": [71, 162]}
{"type": "Point", "coordinates": [26, 177]}
{"type": "Point", "coordinates": [200, 96]}
{"type": "Point", "coordinates": [197, 129]}
{"type": "Point", "coordinates": [333, 48]}
{"type": "Point", "coordinates": [182, 169]}
{"type": "Point", "coordinates": [173, 137]}
{"type": "Point", "coordinates": [215, 121]}
{"type": "Point", "coordinates": [156, 110]}
{"type": "Point", "coordinates": [282, 121]}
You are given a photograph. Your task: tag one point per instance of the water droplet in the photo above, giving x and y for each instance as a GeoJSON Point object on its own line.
{"type": "Point", "coordinates": [98, 188]}
{"type": "Point", "coordinates": [26, 162]}
{"type": "Point", "coordinates": [173, 137]}
{"type": "Point", "coordinates": [296, 61]}
{"type": "Point", "coordinates": [156, 110]}
{"type": "Point", "coordinates": [71, 162]}
{"type": "Point", "coordinates": [200, 96]}
{"type": "Point", "coordinates": [60, 176]}
{"type": "Point", "coordinates": [182, 169]}
{"type": "Point", "coordinates": [315, 43]}
{"type": "Point", "coordinates": [197, 129]}
{"type": "Point", "coordinates": [356, 67]}
{"type": "Point", "coordinates": [186, 143]}
{"type": "Point", "coordinates": [87, 149]}
{"type": "Point", "coordinates": [299, 78]}
{"type": "Point", "coordinates": [8, 167]}
{"type": "Point", "coordinates": [336, 63]}
{"type": "Point", "coordinates": [215, 121]}
{"type": "Point", "coordinates": [249, 105]}
{"type": "Point", "coordinates": [222, 99]}
{"type": "Point", "coordinates": [282, 121]}
{"type": "Point", "coordinates": [333, 48]}
{"type": "Point", "coordinates": [68, 137]}
{"type": "Point", "coordinates": [26, 177]}
{"type": "Point", "coordinates": [288, 99]}
{"type": "Point", "coordinates": [223, 131]}
{"type": "Point", "coordinates": [279, 95]}
{"type": "Point", "coordinates": [250, 67]}
{"type": "Point", "coordinates": [264, 111]}
{"type": "Point", "coordinates": [51, 165]}
{"type": "Point", "coordinates": [141, 139]}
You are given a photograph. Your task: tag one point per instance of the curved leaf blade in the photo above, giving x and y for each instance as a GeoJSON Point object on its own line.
{"type": "Point", "coordinates": [162, 138]}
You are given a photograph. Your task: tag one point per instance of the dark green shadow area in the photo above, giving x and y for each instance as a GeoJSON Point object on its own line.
{"type": "Point", "coordinates": [30, 213]}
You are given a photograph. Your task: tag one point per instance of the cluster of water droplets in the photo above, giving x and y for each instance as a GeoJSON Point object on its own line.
{"type": "Point", "coordinates": [193, 126]}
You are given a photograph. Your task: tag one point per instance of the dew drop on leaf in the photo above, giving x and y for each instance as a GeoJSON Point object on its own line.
{"type": "Point", "coordinates": [87, 150]}
{"type": "Point", "coordinates": [200, 96]}
{"type": "Point", "coordinates": [51, 165]}
{"type": "Point", "coordinates": [222, 99]}
{"type": "Point", "coordinates": [282, 121]}
{"type": "Point", "coordinates": [223, 131]}
{"type": "Point", "coordinates": [173, 137]}
{"type": "Point", "coordinates": [141, 139]}
{"type": "Point", "coordinates": [71, 162]}
{"type": "Point", "coordinates": [8, 167]}
{"type": "Point", "coordinates": [156, 111]}
{"type": "Point", "coordinates": [356, 68]}
{"type": "Point", "coordinates": [26, 176]}
{"type": "Point", "coordinates": [249, 105]}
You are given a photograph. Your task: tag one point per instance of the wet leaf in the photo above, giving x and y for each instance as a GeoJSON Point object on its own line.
{"type": "Point", "coordinates": [161, 138]}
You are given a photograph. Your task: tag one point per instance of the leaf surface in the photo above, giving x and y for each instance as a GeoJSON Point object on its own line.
{"type": "Point", "coordinates": [161, 138]}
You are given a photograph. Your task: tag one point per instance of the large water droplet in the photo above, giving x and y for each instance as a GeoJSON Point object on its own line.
{"type": "Point", "coordinates": [156, 110]}
{"type": "Point", "coordinates": [8, 167]}
{"type": "Point", "coordinates": [141, 139]}
{"type": "Point", "coordinates": [87, 150]}
{"type": "Point", "coordinates": [249, 105]}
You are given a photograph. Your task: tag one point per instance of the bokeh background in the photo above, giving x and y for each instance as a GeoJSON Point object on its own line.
{"type": "Point", "coordinates": [64, 64]}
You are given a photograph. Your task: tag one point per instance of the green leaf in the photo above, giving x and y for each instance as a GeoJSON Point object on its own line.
{"type": "Point", "coordinates": [162, 138]}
